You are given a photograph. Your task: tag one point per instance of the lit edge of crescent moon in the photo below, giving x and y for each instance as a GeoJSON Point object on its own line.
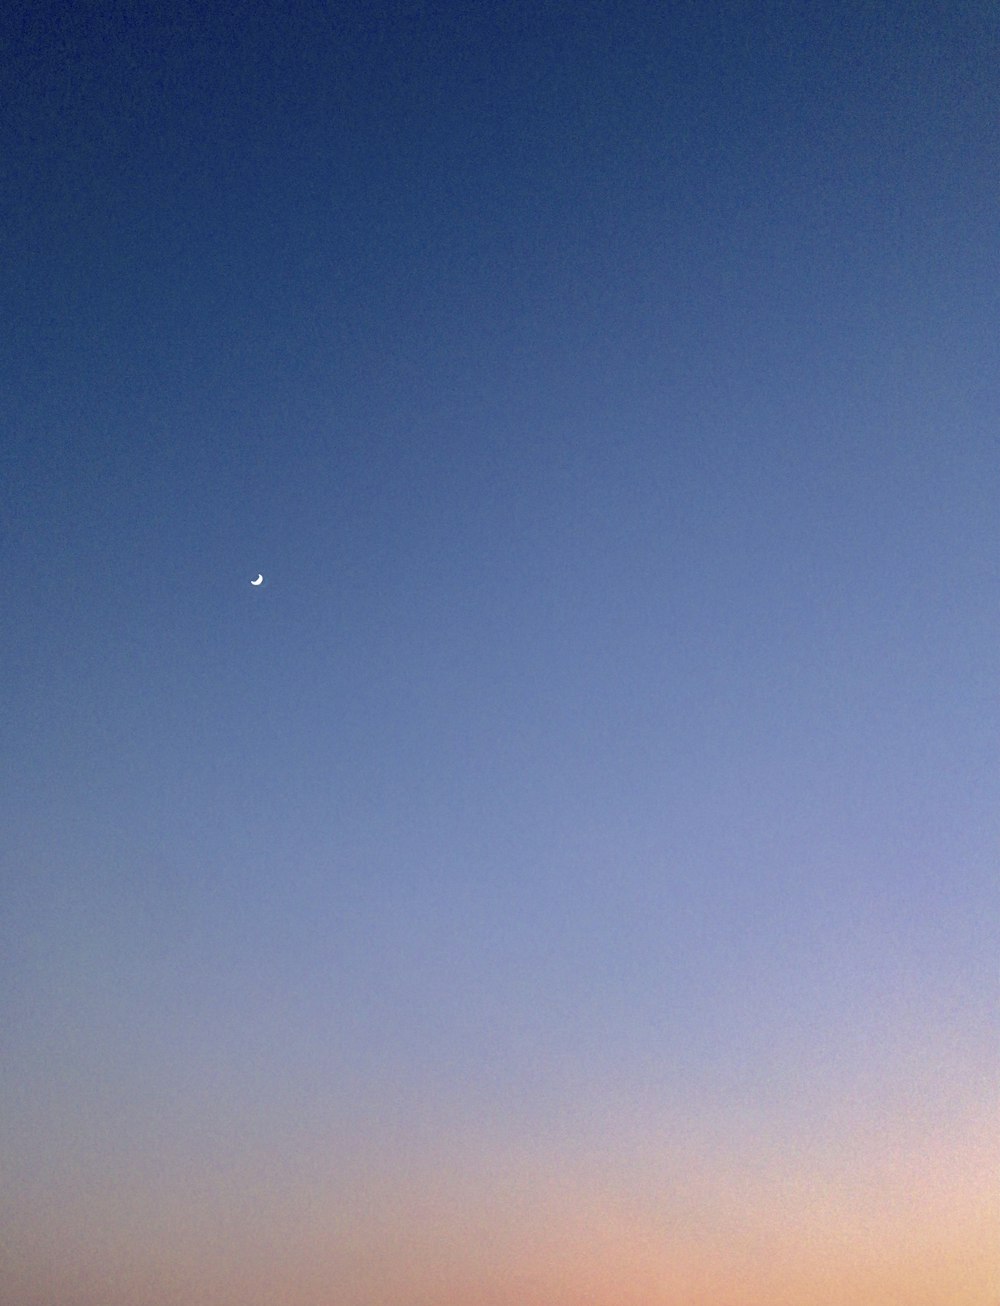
{"type": "Point", "coordinates": [259, 580]}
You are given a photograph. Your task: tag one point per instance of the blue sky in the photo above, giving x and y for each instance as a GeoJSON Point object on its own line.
{"type": "Point", "coordinates": [607, 394]}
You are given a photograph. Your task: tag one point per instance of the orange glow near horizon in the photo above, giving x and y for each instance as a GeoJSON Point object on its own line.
{"type": "Point", "coordinates": [692, 1213]}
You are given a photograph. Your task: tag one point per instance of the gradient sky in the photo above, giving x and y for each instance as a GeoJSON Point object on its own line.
{"type": "Point", "coordinates": [571, 878]}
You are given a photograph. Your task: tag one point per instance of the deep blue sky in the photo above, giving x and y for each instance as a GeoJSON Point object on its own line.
{"type": "Point", "coordinates": [608, 395]}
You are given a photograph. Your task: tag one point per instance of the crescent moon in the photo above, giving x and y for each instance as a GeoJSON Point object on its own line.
{"type": "Point", "coordinates": [258, 581]}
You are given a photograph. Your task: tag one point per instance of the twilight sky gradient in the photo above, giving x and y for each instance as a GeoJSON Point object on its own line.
{"type": "Point", "coordinates": [571, 879]}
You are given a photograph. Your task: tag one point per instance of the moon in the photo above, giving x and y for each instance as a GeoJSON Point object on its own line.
{"type": "Point", "coordinates": [258, 581]}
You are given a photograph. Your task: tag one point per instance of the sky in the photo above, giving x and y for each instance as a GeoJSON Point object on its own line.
{"type": "Point", "coordinates": [570, 879]}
